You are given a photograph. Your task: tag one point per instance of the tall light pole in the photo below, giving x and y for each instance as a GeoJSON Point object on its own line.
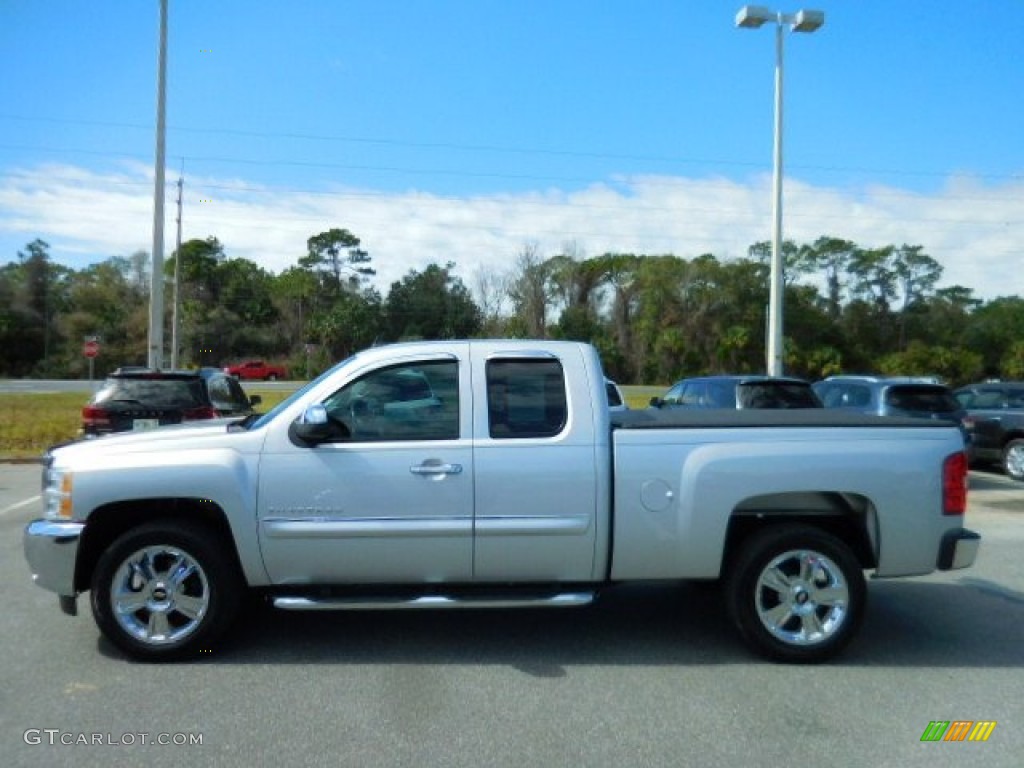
{"type": "Point", "coordinates": [752, 17]}
{"type": "Point", "coordinates": [156, 278]}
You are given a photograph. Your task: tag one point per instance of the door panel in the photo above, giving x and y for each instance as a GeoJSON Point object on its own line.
{"type": "Point", "coordinates": [390, 503]}
{"type": "Point", "coordinates": [536, 491]}
{"type": "Point", "coordinates": [367, 514]}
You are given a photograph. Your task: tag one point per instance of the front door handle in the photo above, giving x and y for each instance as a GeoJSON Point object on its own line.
{"type": "Point", "coordinates": [428, 468]}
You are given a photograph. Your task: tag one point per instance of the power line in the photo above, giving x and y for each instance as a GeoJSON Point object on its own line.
{"type": "Point", "coordinates": [478, 148]}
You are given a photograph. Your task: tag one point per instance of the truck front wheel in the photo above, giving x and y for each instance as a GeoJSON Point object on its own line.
{"type": "Point", "coordinates": [165, 591]}
{"type": "Point", "coordinates": [1013, 459]}
{"type": "Point", "coordinates": [796, 593]}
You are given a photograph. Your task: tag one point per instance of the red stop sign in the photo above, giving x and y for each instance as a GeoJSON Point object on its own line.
{"type": "Point", "coordinates": [91, 348]}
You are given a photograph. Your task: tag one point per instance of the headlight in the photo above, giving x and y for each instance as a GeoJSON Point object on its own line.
{"type": "Point", "coordinates": [57, 494]}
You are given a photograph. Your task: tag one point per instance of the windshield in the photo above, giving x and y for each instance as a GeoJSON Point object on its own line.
{"type": "Point", "coordinates": [270, 415]}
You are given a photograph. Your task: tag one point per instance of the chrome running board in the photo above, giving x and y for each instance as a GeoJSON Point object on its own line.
{"type": "Point", "coordinates": [560, 600]}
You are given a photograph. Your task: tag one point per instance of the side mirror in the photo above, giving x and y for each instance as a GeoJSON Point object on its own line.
{"type": "Point", "coordinates": [314, 427]}
{"type": "Point", "coordinates": [656, 402]}
{"type": "Point", "coordinates": [255, 400]}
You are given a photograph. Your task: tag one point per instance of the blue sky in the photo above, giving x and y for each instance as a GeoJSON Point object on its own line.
{"type": "Point", "coordinates": [463, 130]}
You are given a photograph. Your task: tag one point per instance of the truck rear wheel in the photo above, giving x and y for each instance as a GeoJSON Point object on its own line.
{"type": "Point", "coordinates": [796, 593]}
{"type": "Point", "coordinates": [165, 591]}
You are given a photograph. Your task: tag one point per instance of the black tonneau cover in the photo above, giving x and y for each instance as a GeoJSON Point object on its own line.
{"type": "Point", "coordinates": [711, 418]}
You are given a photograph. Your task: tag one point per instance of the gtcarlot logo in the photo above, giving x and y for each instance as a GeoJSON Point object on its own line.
{"type": "Point", "coordinates": [57, 737]}
{"type": "Point", "coordinates": [958, 730]}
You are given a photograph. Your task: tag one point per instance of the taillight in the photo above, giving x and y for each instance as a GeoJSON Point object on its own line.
{"type": "Point", "coordinates": [203, 412]}
{"type": "Point", "coordinates": [954, 484]}
{"type": "Point", "coordinates": [95, 417]}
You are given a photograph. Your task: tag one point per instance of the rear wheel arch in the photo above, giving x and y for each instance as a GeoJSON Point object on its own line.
{"type": "Point", "coordinates": [850, 518]}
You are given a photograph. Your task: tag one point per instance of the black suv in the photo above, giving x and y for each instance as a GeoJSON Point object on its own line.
{"type": "Point", "coordinates": [140, 398]}
{"type": "Point", "coordinates": [995, 419]}
{"type": "Point", "coordinates": [753, 391]}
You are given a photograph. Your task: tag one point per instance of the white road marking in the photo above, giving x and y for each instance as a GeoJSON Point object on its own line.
{"type": "Point", "coordinates": [20, 504]}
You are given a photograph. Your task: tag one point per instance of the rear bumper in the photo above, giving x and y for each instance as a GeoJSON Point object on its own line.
{"type": "Point", "coordinates": [51, 549]}
{"type": "Point", "coordinates": [958, 549]}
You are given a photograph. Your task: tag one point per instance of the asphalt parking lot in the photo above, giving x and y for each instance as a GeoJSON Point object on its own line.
{"type": "Point", "coordinates": [651, 676]}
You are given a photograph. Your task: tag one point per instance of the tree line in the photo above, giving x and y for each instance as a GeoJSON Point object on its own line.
{"type": "Point", "coordinates": [654, 318]}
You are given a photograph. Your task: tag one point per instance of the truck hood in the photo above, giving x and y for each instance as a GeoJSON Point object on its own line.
{"type": "Point", "coordinates": [214, 433]}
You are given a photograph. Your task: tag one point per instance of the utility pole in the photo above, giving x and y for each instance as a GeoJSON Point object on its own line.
{"type": "Point", "coordinates": [175, 316]}
{"type": "Point", "coordinates": [156, 279]}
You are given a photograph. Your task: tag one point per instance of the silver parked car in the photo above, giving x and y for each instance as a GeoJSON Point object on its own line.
{"type": "Point", "coordinates": [747, 391]}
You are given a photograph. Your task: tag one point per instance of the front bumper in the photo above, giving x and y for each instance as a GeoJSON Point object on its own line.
{"type": "Point", "coordinates": [51, 549]}
{"type": "Point", "coordinates": [958, 549]}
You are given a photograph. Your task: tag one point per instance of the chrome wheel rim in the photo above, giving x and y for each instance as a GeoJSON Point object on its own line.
{"type": "Point", "coordinates": [802, 597]}
{"type": "Point", "coordinates": [1015, 460]}
{"type": "Point", "coordinates": [159, 595]}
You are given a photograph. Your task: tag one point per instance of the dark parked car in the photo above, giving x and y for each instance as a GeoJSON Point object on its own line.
{"type": "Point", "coordinates": [739, 392]}
{"type": "Point", "coordinates": [140, 398]}
{"type": "Point", "coordinates": [995, 419]}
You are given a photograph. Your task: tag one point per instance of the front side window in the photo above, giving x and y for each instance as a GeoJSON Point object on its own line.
{"type": "Point", "coordinates": [526, 398]}
{"type": "Point", "coordinates": [674, 395]}
{"type": "Point", "coordinates": [416, 401]}
{"type": "Point", "coordinates": [693, 394]}
{"type": "Point", "coordinates": [721, 394]}
{"type": "Point", "coordinates": [612, 393]}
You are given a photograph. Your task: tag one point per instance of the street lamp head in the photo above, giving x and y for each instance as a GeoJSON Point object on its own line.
{"type": "Point", "coordinates": [753, 16]}
{"type": "Point", "coordinates": [808, 21]}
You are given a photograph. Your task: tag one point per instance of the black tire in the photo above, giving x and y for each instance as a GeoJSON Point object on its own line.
{"type": "Point", "coordinates": [1013, 459]}
{"type": "Point", "coordinates": [178, 592]}
{"type": "Point", "coordinates": [272, 377]}
{"type": "Point", "coordinates": [796, 593]}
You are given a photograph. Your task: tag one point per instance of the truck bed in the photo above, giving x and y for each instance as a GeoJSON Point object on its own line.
{"type": "Point", "coordinates": [697, 418]}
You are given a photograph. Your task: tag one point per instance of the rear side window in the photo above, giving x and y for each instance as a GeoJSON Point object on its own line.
{"type": "Point", "coordinates": [922, 398]}
{"type": "Point", "coordinates": [525, 398]}
{"type": "Point", "coordinates": [772, 394]}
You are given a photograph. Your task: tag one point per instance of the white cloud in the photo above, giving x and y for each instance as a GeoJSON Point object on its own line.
{"type": "Point", "coordinates": [975, 231]}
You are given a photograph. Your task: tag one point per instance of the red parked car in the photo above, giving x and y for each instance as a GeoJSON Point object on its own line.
{"type": "Point", "coordinates": [252, 370]}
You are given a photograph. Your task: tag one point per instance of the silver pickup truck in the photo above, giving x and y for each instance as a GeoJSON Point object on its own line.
{"type": "Point", "coordinates": [492, 474]}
